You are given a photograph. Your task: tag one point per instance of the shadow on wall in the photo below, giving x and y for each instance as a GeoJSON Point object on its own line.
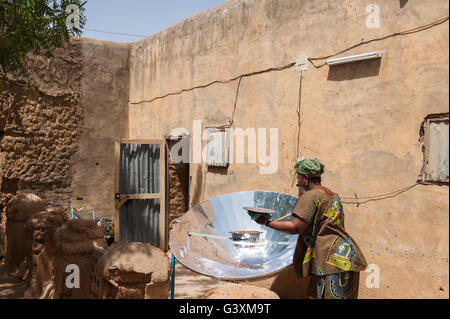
{"type": "Point", "coordinates": [354, 70]}
{"type": "Point", "coordinates": [218, 170]}
{"type": "Point", "coordinates": [403, 3]}
{"type": "Point", "coordinates": [197, 189]}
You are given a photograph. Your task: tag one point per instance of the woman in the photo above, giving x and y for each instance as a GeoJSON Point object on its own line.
{"type": "Point", "coordinates": [324, 249]}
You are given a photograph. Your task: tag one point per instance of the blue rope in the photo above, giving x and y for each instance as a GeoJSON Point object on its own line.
{"type": "Point", "coordinates": [172, 279]}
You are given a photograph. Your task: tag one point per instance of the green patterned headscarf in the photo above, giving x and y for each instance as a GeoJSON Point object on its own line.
{"type": "Point", "coordinates": [310, 167]}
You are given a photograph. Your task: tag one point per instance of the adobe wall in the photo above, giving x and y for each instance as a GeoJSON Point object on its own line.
{"type": "Point", "coordinates": [130, 271]}
{"type": "Point", "coordinates": [104, 97]}
{"type": "Point", "coordinates": [58, 143]}
{"type": "Point", "coordinates": [39, 130]}
{"type": "Point", "coordinates": [362, 119]}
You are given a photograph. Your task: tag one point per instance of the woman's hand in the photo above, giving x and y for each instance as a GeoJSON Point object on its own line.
{"type": "Point", "coordinates": [261, 220]}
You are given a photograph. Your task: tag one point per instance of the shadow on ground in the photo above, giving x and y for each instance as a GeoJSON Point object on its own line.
{"type": "Point", "coordinates": [190, 285]}
{"type": "Point", "coordinates": [10, 287]}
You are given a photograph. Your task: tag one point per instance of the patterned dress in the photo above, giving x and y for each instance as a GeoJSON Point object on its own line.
{"type": "Point", "coordinates": [326, 251]}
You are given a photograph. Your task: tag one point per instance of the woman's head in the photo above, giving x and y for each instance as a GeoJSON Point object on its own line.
{"type": "Point", "coordinates": [308, 171]}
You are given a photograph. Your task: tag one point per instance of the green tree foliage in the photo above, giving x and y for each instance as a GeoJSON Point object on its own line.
{"type": "Point", "coordinates": [36, 26]}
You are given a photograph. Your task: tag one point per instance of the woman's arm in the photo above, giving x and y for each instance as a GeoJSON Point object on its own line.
{"type": "Point", "coordinates": [295, 226]}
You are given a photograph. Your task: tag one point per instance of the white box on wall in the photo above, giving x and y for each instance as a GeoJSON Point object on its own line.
{"type": "Point", "coordinates": [218, 149]}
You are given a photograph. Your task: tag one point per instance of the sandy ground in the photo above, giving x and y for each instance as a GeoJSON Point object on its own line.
{"type": "Point", "coordinates": [190, 285]}
{"type": "Point", "coordinates": [10, 287]}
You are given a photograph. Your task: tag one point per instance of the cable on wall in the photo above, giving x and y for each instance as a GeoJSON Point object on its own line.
{"type": "Point", "coordinates": [299, 113]}
{"type": "Point", "coordinates": [235, 101]}
{"type": "Point", "coordinates": [378, 197]}
{"type": "Point", "coordinates": [350, 200]}
{"type": "Point", "coordinates": [290, 65]}
{"type": "Point", "coordinates": [414, 30]}
{"type": "Point", "coordinates": [284, 67]}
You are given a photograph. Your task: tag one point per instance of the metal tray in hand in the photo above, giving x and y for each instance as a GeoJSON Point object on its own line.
{"type": "Point", "coordinates": [255, 212]}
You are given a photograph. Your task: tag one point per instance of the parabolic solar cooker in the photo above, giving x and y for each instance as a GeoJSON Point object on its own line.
{"type": "Point", "coordinates": [219, 237]}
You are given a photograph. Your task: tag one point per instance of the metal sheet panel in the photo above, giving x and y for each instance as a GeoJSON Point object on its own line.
{"type": "Point", "coordinates": [139, 173]}
{"type": "Point", "coordinates": [139, 169]}
{"type": "Point", "coordinates": [438, 152]}
{"type": "Point", "coordinates": [139, 221]}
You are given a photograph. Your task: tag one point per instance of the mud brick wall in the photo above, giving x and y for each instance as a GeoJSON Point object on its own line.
{"type": "Point", "coordinates": [40, 126]}
{"type": "Point", "coordinates": [40, 278]}
{"type": "Point", "coordinates": [74, 243]}
{"type": "Point", "coordinates": [17, 211]}
{"type": "Point", "coordinates": [40, 139]}
{"type": "Point", "coordinates": [8, 189]}
{"type": "Point", "coordinates": [57, 136]}
{"type": "Point", "coordinates": [131, 271]}
{"type": "Point", "coordinates": [178, 188]}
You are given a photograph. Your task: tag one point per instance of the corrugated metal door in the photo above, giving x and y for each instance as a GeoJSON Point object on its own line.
{"type": "Point", "coordinates": [140, 192]}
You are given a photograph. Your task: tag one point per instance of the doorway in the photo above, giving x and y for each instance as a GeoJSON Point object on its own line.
{"type": "Point", "coordinates": [140, 192]}
{"type": "Point", "coordinates": [178, 177]}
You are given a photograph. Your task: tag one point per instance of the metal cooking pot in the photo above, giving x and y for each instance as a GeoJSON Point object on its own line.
{"type": "Point", "coordinates": [251, 236]}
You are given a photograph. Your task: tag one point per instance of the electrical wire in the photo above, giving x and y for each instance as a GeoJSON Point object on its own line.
{"type": "Point", "coordinates": [378, 197]}
{"type": "Point", "coordinates": [299, 112]}
{"type": "Point", "coordinates": [290, 65]}
{"type": "Point", "coordinates": [235, 101]}
{"type": "Point", "coordinates": [284, 67]}
{"type": "Point", "coordinates": [414, 30]}
{"type": "Point", "coordinates": [381, 195]}
{"type": "Point", "coordinates": [126, 34]}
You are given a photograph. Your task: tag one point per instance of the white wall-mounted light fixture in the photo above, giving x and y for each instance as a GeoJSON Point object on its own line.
{"type": "Point", "coordinates": [357, 57]}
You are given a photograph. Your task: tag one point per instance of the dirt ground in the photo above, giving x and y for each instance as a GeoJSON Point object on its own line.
{"type": "Point", "coordinates": [190, 285]}
{"type": "Point", "coordinates": [10, 287]}
{"type": "Point", "coordinates": [237, 291]}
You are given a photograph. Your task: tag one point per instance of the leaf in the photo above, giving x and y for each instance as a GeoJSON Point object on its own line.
{"type": "Point", "coordinates": [31, 25]}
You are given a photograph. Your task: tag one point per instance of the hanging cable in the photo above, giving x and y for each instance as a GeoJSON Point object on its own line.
{"type": "Point", "coordinates": [116, 33]}
{"type": "Point", "coordinates": [414, 30]}
{"type": "Point", "coordinates": [235, 101]}
{"type": "Point", "coordinates": [290, 65]}
{"type": "Point", "coordinates": [287, 66]}
{"type": "Point", "coordinates": [382, 195]}
{"type": "Point", "coordinates": [378, 197]}
{"type": "Point", "coordinates": [299, 113]}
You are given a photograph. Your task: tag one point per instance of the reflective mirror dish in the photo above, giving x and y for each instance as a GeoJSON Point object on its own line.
{"type": "Point", "coordinates": [218, 238]}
